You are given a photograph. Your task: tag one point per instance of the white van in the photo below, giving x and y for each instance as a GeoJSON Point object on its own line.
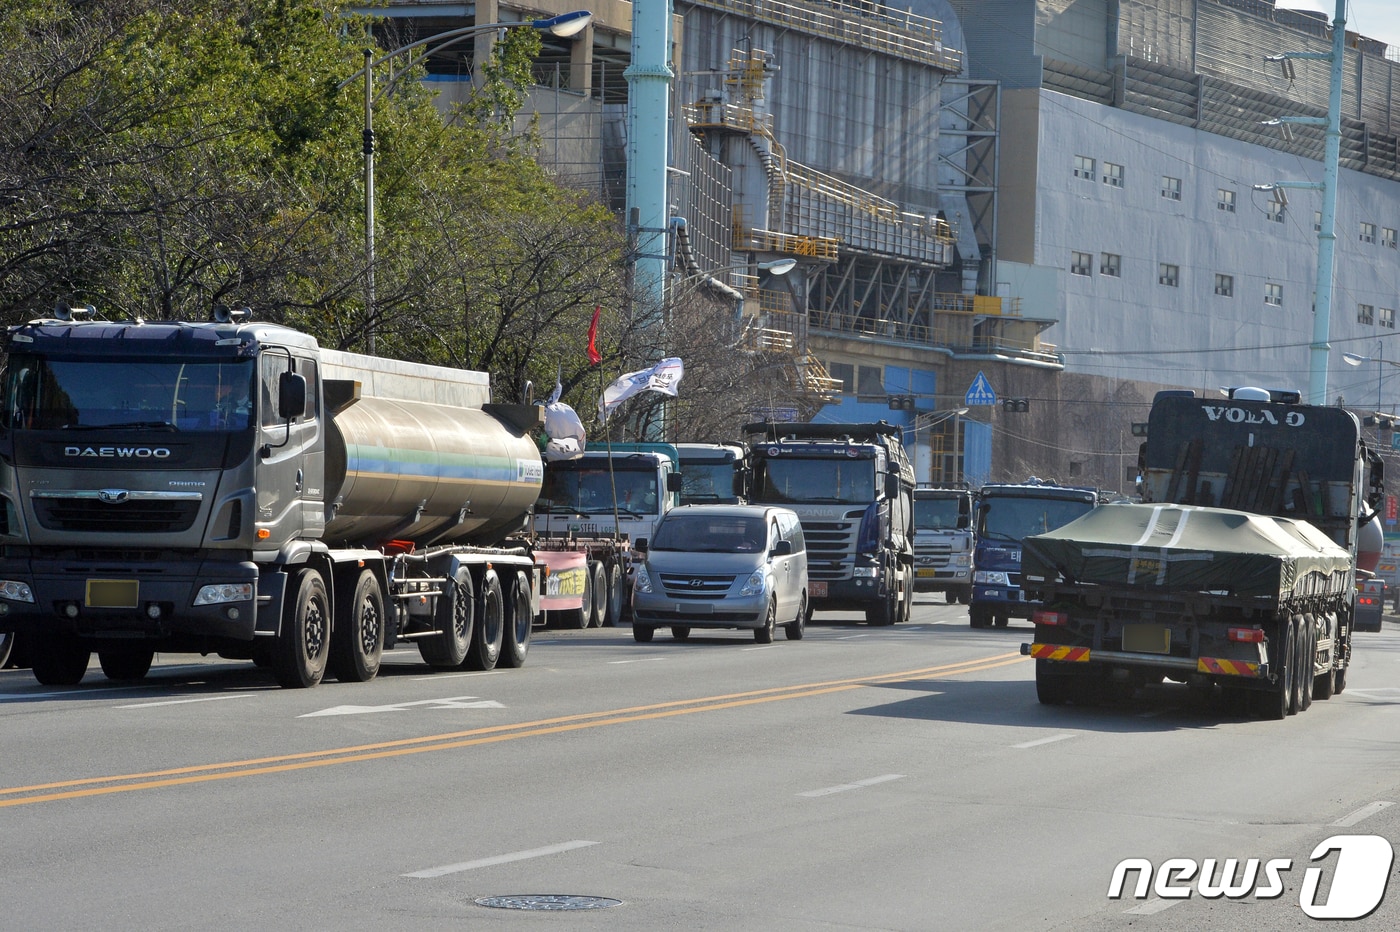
{"type": "Point", "coordinates": [722, 566]}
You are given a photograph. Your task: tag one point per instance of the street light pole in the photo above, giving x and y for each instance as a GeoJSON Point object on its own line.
{"type": "Point", "coordinates": [565, 25]}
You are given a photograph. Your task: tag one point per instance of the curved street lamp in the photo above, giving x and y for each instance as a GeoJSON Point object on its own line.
{"type": "Point", "coordinates": [565, 25]}
{"type": "Point", "coordinates": [1355, 359]}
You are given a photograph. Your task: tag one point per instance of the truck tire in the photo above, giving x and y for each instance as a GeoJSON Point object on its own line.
{"type": "Point", "coordinates": [980, 616]}
{"type": "Point", "coordinates": [906, 604]}
{"type": "Point", "coordinates": [519, 622]}
{"type": "Point", "coordinates": [1307, 662]}
{"type": "Point", "coordinates": [582, 616]}
{"type": "Point", "coordinates": [598, 582]}
{"type": "Point", "coordinates": [1055, 688]}
{"type": "Point", "coordinates": [884, 612]}
{"type": "Point", "coordinates": [965, 596]}
{"type": "Point", "coordinates": [303, 646]}
{"type": "Point", "coordinates": [1275, 702]}
{"type": "Point", "coordinates": [764, 634]}
{"type": "Point", "coordinates": [617, 591]}
{"type": "Point", "coordinates": [357, 637]}
{"type": "Point", "coordinates": [1295, 697]}
{"type": "Point", "coordinates": [7, 642]}
{"type": "Point", "coordinates": [796, 629]}
{"type": "Point", "coordinates": [455, 621]}
{"type": "Point", "coordinates": [490, 631]}
{"type": "Point", "coordinates": [642, 634]}
{"type": "Point", "coordinates": [126, 663]}
{"type": "Point", "coordinates": [58, 660]}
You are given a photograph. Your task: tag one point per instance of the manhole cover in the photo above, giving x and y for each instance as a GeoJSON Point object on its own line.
{"type": "Point", "coordinates": [546, 901]}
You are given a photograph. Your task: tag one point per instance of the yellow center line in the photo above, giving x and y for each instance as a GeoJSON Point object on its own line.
{"type": "Point", "coordinates": [202, 773]}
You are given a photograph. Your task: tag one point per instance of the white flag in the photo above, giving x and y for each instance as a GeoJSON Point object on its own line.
{"type": "Point", "coordinates": [663, 377]}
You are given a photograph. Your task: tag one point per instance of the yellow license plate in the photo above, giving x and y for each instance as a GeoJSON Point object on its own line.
{"type": "Point", "coordinates": [1147, 639]}
{"type": "Point", "coordinates": [112, 593]}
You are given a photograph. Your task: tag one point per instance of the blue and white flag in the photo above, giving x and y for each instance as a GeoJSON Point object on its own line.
{"type": "Point", "coordinates": [663, 377]}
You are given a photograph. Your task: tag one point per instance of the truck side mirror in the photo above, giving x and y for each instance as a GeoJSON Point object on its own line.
{"type": "Point", "coordinates": [891, 485]}
{"type": "Point", "coordinates": [291, 395]}
{"type": "Point", "coordinates": [673, 482]}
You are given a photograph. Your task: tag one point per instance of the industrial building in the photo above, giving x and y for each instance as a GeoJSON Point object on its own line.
{"type": "Point", "coordinates": [1014, 221]}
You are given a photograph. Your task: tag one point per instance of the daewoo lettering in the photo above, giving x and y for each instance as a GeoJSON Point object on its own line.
{"type": "Point", "coordinates": [159, 453]}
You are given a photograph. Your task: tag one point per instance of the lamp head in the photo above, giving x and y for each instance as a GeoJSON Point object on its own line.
{"type": "Point", "coordinates": [778, 266]}
{"type": "Point", "coordinates": [1352, 359]}
{"type": "Point", "coordinates": [565, 24]}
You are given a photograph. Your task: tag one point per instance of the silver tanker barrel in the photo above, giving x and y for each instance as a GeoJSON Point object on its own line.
{"type": "Point", "coordinates": [415, 452]}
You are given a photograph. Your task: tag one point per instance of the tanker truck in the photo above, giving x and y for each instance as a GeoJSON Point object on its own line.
{"type": "Point", "coordinates": [228, 487]}
{"type": "Point", "coordinates": [1238, 570]}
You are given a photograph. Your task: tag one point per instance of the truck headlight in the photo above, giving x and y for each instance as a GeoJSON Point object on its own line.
{"type": "Point", "coordinates": [962, 559]}
{"type": "Point", "coordinates": [990, 578]}
{"type": "Point", "coordinates": [15, 591]}
{"type": "Point", "coordinates": [641, 582]}
{"type": "Point", "coordinates": [224, 592]}
{"type": "Point", "coordinates": [871, 571]}
{"type": "Point", "coordinates": [755, 584]}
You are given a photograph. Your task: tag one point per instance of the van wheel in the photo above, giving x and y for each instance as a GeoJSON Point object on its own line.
{"type": "Point", "coordinates": [796, 629]}
{"type": "Point", "coordinates": [764, 635]}
{"type": "Point", "coordinates": [642, 633]}
{"type": "Point", "coordinates": [680, 632]}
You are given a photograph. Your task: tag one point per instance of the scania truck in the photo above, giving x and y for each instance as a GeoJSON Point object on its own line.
{"type": "Point", "coordinates": [852, 487]}
{"type": "Point", "coordinates": [229, 487]}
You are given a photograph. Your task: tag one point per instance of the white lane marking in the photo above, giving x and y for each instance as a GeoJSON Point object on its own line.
{"type": "Point", "coordinates": [1152, 906]}
{"type": "Point", "coordinates": [852, 637]}
{"type": "Point", "coordinates": [147, 705]}
{"type": "Point", "coordinates": [637, 660]}
{"type": "Point", "coordinates": [457, 702]}
{"type": "Point", "coordinates": [762, 647]}
{"type": "Point", "coordinates": [1039, 741]}
{"type": "Point", "coordinates": [458, 676]}
{"type": "Point", "coordinates": [501, 859]}
{"type": "Point", "coordinates": [843, 787]}
{"type": "Point", "coordinates": [1363, 813]}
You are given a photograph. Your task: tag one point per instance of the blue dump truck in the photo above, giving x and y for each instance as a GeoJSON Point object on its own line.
{"type": "Point", "coordinates": [1004, 515]}
{"type": "Point", "coordinates": [1239, 569]}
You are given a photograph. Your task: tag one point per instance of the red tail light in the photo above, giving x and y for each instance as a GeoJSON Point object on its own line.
{"type": "Point", "coordinates": [1050, 618]}
{"type": "Point", "coordinates": [1247, 635]}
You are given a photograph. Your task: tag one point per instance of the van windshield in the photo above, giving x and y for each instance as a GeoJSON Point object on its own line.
{"type": "Point", "coordinates": [710, 534]}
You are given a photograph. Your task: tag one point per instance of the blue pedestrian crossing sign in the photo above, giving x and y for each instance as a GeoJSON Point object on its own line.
{"type": "Point", "coordinates": [980, 392]}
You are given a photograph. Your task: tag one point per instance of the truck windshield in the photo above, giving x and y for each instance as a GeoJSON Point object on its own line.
{"type": "Point", "coordinates": [710, 534]}
{"type": "Point", "coordinates": [54, 394]}
{"type": "Point", "coordinates": [707, 482]}
{"type": "Point", "coordinates": [836, 481]}
{"type": "Point", "coordinates": [590, 491]}
{"type": "Point", "coordinates": [936, 514]}
{"type": "Point", "coordinates": [1008, 518]}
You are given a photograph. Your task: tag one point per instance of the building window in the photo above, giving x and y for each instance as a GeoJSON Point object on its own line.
{"type": "Point", "coordinates": [1368, 232]}
{"type": "Point", "coordinates": [1081, 263]}
{"type": "Point", "coordinates": [1113, 174]}
{"type": "Point", "coordinates": [1317, 221]}
{"type": "Point", "coordinates": [1388, 317]}
{"type": "Point", "coordinates": [1388, 237]}
{"type": "Point", "coordinates": [1365, 314]}
{"type": "Point", "coordinates": [1225, 285]}
{"type": "Point", "coordinates": [1273, 294]}
{"type": "Point", "coordinates": [1225, 200]}
{"type": "Point", "coordinates": [870, 382]}
{"type": "Point", "coordinates": [845, 373]}
{"type": "Point", "coordinates": [1274, 211]}
{"type": "Point", "coordinates": [1111, 265]}
{"type": "Point", "coordinates": [1171, 188]}
{"type": "Point", "coordinates": [1084, 167]}
{"type": "Point", "coordinates": [1168, 275]}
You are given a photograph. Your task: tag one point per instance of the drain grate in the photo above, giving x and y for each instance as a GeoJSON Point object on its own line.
{"type": "Point", "coordinates": [558, 901]}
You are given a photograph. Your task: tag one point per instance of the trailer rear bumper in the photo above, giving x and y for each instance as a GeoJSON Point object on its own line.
{"type": "Point", "coordinates": [1210, 666]}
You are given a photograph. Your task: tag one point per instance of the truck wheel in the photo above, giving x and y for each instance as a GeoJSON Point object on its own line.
{"type": "Point", "coordinates": [965, 597]}
{"type": "Point", "coordinates": [980, 616]}
{"type": "Point", "coordinates": [1339, 680]}
{"type": "Point", "coordinates": [58, 660]}
{"type": "Point", "coordinates": [455, 621]}
{"type": "Point", "coordinates": [1307, 662]}
{"type": "Point", "coordinates": [357, 638]}
{"type": "Point", "coordinates": [582, 616]}
{"type": "Point", "coordinates": [1001, 619]}
{"type": "Point", "coordinates": [884, 612]}
{"type": "Point", "coordinates": [764, 635]}
{"type": "Point", "coordinates": [1051, 688]}
{"type": "Point", "coordinates": [617, 591]}
{"type": "Point", "coordinates": [598, 582]}
{"type": "Point", "coordinates": [1274, 703]}
{"type": "Point", "coordinates": [1295, 697]}
{"type": "Point", "coordinates": [950, 596]}
{"type": "Point", "coordinates": [7, 641]}
{"type": "Point", "coordinates": [642, 633]}
{"type": "Point", "coordinates": [796, 629]}
{"type": "Point", "coordinates": [490, 630]}
{"type": "Point", "coordinates": [519, 622]}
{"type": "Point", "coordinates": [906, 604]}
{"type": "Point", "coordinates": [126, 663]}
{"type": "Point", "coordinates": [303, 646]}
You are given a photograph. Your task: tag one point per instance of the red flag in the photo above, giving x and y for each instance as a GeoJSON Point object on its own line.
{"type": "Point", "coordinates": [594, 357]}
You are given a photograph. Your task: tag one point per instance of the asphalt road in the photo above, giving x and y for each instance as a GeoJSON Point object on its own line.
{"type": "Point", "coordinates": [862, 778]}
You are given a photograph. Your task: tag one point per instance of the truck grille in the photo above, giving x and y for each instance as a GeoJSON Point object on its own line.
{"type": "Point", "coordinates": [689, 586]}
{"type": "Point", "coordinates": [137, 517]}
{"type": "Point", "coordinates": [830, 545]}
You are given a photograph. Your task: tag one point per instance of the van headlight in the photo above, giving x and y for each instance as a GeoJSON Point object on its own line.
{"type": "Point", "coordinates": [756, 584]}
{"type": "Point", "coordinates": [641, 582]}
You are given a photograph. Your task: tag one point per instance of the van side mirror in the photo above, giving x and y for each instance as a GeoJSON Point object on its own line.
{"type": "Point", "coordinates": [291, 395]}
{"type": "Point", "coordinates": [782, 548]}
{"type": "Point", "coordinates": [640, 545]}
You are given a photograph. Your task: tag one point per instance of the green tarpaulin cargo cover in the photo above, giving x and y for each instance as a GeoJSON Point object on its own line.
{"type": "Point", "coordinates": [1188, 548]}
